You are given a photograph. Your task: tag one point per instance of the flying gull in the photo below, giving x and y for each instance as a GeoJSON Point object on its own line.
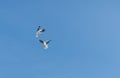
{"type": "Point", "coordinates": [39, 31]}
{"type": "Point", "coordinates": [45, 43]}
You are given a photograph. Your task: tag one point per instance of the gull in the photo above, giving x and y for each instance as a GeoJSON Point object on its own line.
{"type": "Point", "coordinates": [45, 43]}
{"type": "Point", "coordinates": [39, 31]}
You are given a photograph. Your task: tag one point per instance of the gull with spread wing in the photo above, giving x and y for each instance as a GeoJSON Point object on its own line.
{"type": "Point", "coordinates": [45, 43]}
{"type": "Point", "coordinates": [39, 31]}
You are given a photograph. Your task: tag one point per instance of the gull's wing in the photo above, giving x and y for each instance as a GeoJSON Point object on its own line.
{"type": "Point", "coordinates": [43, 30]}
{"type": "Point", "coordinates": [48, 41]}
{"type": "Point", "coordinates": [41, 41]}
{"type": "Point", "coordinates": [38, 28]}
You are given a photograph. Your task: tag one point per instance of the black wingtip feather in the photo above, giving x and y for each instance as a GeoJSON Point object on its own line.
{"type": "Point", "coordinates": [41, 41]}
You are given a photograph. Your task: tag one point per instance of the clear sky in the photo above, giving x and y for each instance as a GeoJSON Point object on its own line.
{"type": "Point", "coordinates": [85, 38]}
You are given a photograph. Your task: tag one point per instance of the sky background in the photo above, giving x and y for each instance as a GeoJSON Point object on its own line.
{"type": "Point", "coordinates": [85, 38]}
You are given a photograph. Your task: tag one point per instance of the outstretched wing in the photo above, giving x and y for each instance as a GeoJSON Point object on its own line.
{"type": "Point", "coordinates": [42, 30]}
{"type": "Point", "coordinates": [41, 41]}
{"type": "Point", "coordinates": [38, 28]}
{"type": "Point", "coordinates": [48, 41]}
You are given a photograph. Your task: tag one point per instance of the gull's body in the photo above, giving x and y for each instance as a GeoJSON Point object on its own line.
{"type": "Point", "coordinates": [39, 31]}
{"type": "Point", "coordinates": [45, 43]}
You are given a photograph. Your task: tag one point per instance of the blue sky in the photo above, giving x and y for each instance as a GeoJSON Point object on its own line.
{"type": "Point", "coordinates": [85, 38]}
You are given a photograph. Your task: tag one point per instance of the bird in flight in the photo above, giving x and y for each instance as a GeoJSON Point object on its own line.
{"type": "Point", "coordinates": [45, 43]}
{"type": "Point", "coordinates": [39, 31]}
